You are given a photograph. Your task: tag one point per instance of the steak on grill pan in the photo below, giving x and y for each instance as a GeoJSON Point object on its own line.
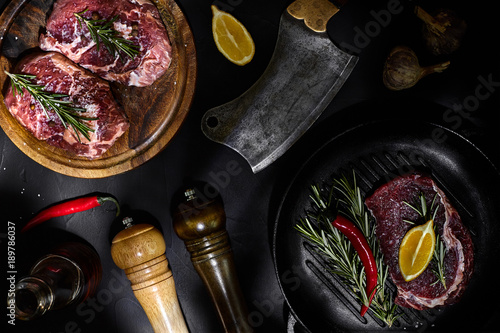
{"type": "Point", "coordinates": [387, 205]}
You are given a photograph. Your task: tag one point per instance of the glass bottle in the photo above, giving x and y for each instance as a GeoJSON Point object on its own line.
{"type": "Point", "coordinates": [69, 274]}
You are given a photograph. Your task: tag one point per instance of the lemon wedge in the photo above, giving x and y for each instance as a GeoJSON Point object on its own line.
{"type": "Point", "coordinates": [416, 250]}
{"type": "Point", "coordinates": [232, 38]}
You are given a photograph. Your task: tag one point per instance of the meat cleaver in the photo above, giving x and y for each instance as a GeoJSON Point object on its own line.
{"type": "Point", "coordinates": [305, 73]}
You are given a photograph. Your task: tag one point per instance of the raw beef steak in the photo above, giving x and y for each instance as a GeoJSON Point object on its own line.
{"type": "Point", "coordinates": [137, 21]}
{"type": "Point", "coordinates": [388, 207]}
{"type": "Point", "coordinates": [58, 74]}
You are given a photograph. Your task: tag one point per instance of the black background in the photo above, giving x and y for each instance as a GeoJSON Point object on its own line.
{"type": "Point", "coordinates": [26, 187]}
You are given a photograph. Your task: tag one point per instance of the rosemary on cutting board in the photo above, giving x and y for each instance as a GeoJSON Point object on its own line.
{"type": "Point", "coordinates": [65, 111]}
{"type": "Point", "coordinates": [440, 249]}
{"type": "Point", "coordinates": [101, 30]}
{"type": "Point", "coordinates": [343, 260]}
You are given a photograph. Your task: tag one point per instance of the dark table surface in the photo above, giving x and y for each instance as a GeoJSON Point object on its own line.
{"type": "Point", "coordinates": [249, 199]}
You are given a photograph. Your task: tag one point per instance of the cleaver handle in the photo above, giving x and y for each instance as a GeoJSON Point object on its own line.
{"type": "Point", "coordinates": [315, 13]}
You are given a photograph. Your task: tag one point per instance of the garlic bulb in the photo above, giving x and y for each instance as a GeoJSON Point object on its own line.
{"type": "Point", "coordinates": [402, 69]}
{"type": "Point", "coordinates": [443, 31]}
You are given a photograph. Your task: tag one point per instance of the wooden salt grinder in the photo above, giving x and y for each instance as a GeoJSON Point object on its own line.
{"type": "Point", "coordinates": [140, 251]}
{"type": "Point", "coordinates": [201, 222]}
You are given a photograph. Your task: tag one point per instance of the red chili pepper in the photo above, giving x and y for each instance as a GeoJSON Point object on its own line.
{"type": "Point", "coordinates": [69, 207]}
{"type": "Point", "coordinates": [361, 246]}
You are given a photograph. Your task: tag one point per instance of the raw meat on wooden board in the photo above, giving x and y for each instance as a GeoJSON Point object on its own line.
{"type": "Point", "coordinates": [136, 20]}
{"type": "Point", "coordinates": [59, 75]}
{"type": "Point", "coordinates": [387, 206]}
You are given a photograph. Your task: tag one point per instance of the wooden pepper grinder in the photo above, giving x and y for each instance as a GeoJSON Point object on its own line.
{"type": "Point", "coordinates": [201, 223]}
{"type": "Point", "coordinates": [140, 251]}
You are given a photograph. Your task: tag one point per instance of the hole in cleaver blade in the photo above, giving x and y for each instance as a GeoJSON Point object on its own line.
{"type": "Point", "coordinates": [304, 74]}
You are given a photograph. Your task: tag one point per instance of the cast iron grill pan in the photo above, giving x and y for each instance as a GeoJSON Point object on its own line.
{"type": "Point", "coordinates": [378, 152]}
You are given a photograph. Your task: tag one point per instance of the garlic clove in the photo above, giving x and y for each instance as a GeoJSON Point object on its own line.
{"type": "Point", "coordinates": [402, 69]}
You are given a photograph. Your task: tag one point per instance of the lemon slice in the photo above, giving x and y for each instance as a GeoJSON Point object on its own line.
{"type": "Point", "coordinates": [232, 38]}
{"type": "Point", "coordinates": [416, 250]}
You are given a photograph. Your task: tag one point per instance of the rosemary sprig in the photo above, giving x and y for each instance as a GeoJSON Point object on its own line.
{"type": "Point", "coordinates": [440, 249]}
{"type": "Point", "coordinates": [438, 257]}
{"type": "Point", "coordinates": [102, 30]}
{"type": "Point", "coordinates": [336, 247]}
{"type": "Point", "coordinates": [352, 204]}
{"type": "Point", "coordinates": [64, 109]}
{"type": "Point", "coordinates": [332, 243]}
{"type": "Point", "coordinates": [422, 209]}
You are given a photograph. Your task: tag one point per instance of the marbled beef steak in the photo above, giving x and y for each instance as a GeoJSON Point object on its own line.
{"type": "Point", "coordinates": [388, 207]}
{"type": "Point", "coordinates": [58, 74]}
{"type": "Point", "coordinates": [137, 20]}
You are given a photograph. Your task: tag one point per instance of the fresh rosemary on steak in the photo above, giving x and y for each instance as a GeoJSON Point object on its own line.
{"type": "Point", "coordinates": [438, 257]}
{"type": "Point", "coordinates": [343, 261]}
{"type": "Point", "coordinates": [440, 249]}
{"type": "Point", "coordinates": [101, 30]}
{"type": "Point", "coordinates": [64, 109]}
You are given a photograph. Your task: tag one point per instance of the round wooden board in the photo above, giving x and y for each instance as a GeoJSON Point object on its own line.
{"type": "Point", "coordinates": [155, 112]}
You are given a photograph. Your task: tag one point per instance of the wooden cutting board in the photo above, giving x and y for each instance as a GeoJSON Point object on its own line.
{"type": "Point", "coordinates": [155, 112]}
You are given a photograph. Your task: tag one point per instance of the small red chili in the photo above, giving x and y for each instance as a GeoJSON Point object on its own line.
{"type": "Point", "coordinates": [69, 207]}
{"type": "Point", "coordinates": [364, 251]}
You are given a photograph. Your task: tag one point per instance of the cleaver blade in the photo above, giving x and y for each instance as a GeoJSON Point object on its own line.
{"type": "Point", "coordinates": [304, 74]}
